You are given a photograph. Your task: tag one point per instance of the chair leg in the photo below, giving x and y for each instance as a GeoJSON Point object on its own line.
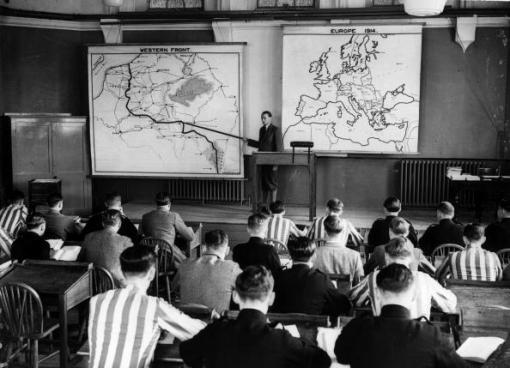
{"type": "Point", "coordinates": [35, 354]}
{"type": "Point", "coordinates": [168, 295]}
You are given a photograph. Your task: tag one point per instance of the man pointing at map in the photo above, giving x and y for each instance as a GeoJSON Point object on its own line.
{"type": "Point", "coordinates": [270, 140]}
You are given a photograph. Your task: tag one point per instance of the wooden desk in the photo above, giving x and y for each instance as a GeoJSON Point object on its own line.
{"type": "Point", "coordinates": [70, 282]}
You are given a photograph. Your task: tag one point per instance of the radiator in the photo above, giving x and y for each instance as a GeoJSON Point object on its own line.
{"type": "Point", "coordinates": [423, 182]}
{"type": "Point", "coordinates": [229, 190]}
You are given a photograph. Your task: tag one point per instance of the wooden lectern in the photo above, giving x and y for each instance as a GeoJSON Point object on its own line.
{"type": "Point", "coordinates": [287, 159]}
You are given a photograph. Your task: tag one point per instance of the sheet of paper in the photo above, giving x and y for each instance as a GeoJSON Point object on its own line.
{"type": "Point", "coordinates": [55, 244]}
{"type": "Point", "coordinates": [479, 349]}
{"type": "Point", "coordinates": [68, 253]}
{"type": "Point", "coordinates": [326, 338]}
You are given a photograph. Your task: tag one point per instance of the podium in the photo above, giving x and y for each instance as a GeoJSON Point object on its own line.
{"type": "Point", "coordinates": [287, 159]}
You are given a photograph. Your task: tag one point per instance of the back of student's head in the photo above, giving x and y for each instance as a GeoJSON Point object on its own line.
{"type": "Point", "coordinates": [137, 260]}
{"type": "Point", "coordinates": [473, 232]}
{"type": "Point", "coordinates": [35, 220]}
{"type": "Point", "coordinates": [254, 283]}
{"type": "Point", "coordinates": [162, 199]}
{"type": "Point", "coordinates": [257, 223]}
{"type": "Point", "coordinates": [395, 278]}
{"type": "Point", "coordinates": [54, 199]}
{"type": "Point", "coordinates": [17, 196]}
{"type": "Point", "coordinates": [113, 199]}
{"type": "Point", "coordinates": [335, 205]}
{"type": "Point", "coordinates": [301, 249]}
{"type": "Point", "coordinates": [446, 209]}
{"type": "Point", "coordinates": [504, 204]}
{"type": "Point", "coordinates": [333, 225]}
{"type": "Point", "coordinates": [398, 248]}
{"type": "Point", "coordinates": [216, 239]}
{"type": "Point", "coordinates": [264, 211]}
{"type": "Point", "coordinates": [111, 218]}
{"type": "Point", "coordinates": [399, 226]}
{"type": "Point", "coordinates": [392, 204]}
{"type": "Point", "coordinates": [277, 207]}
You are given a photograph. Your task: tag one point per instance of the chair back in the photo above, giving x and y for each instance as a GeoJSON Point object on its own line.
{"type": "Point", "coordinates": [441, 252]}
{"type": "Point", "coordinates": [504, 256]}
{"type": "Point", "coordinates": [102, 280]}
{"type": "Point", "coordinates": [343, 281]}
{"type": "Point", "coordinates": [21, 311]}
{"type": "Point", "coordinates": [198, 311]}
{"type": "Point", "coordinates": [164, 252]}
{"type": "Point", "coordinates": [280, 247]}
{"type": "Point", "coordinates": [320, 242]}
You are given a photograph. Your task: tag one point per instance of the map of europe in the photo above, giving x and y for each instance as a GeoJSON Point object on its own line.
{"type": "Point", "coordinates": [352, 89]}
{"type": "Point", "coordinates": [166, 110]}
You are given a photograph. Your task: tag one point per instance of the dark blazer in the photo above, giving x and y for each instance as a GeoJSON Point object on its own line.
{"type": "Point", "coordinates": [378, 259]}
{"type": "Point", "coordinates": [249, 342]}
{"type": "Point", "coordinates": [393, 340]}
{"type": "Point", "coordinates": [29, 245]}
{"type": "Point", "coordinates": [270, 139]}
{"type": "Point", "coordinates": [379, 232]}
{"type": "Point", "coordinates": [307, 290]}
{"type": "Point", "coordinates": [445, 232]}
{"type": "Point", "coordinates": [256, 252]}
{"type": "Point", "coordinates": [498, 235]}
{"type": "Point", "coordinates": [95, 223]}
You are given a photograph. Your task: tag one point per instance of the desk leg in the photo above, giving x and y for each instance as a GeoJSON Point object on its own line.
{"type": "Point", "coordinates": [64, 350]}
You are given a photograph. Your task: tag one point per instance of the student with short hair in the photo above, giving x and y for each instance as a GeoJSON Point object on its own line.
{"type": "Point", "coordinates": [30, 244]}
{"type": "Point", "coordinates": [428, 291]}
{"type": "Point", "coordinates": [304, 289]}
{"type": "Point", "coordinates": [209, 280]}
{"type": "Point", "coordinates": [473, 263]}
{"type": "Point", "coordinates": [249, 341]}
{"type": "Point", "coordinates": [59, 226]}
{"type": "Point", "coordinates": [497, 234]}
{"type": "Point", "coordinates": [113, 201]}
{"type": "Point", "coordinates": [256, 251]}
{"type": "Point", "coordinates": [280, 228]}
{"type": "Point", "coordinates": [334, 256]}
{"type": "Point", "coordinates": [444, 232]}
{"type": "Point", "coordinates": [334, 207]}
{"type": "Point", "coordinates": [13, 216]}
{"type": "Point", "coordinates": [393, 339]}
{"type": "Point", "coordinates": [379, 232]}
{"type": "Point", "coordinates": [125, 324]}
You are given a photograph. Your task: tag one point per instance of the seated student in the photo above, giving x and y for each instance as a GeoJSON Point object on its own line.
{"type": "Point", "coordinates": [379, 231]}
{"type": "Point", "coordinates": [59, 226]}
{"type": "Point", "coordinates": [209, 280]}
{"type": "Point", "coordinates": [334, 207]}
{"type": "Point", "coordinates": [280, 228]}
{"type": "Point", "coordinates": [113, 201]}
{"type": "Point", "coordinates": [256, 251]}
{"type": "Point", "coordinates": [103, 247]}
{"type": "Point", "coordinates": [303, 289]}
{"type": "Point", "coordinates": [13, 216]}
{"type": "Point", "coordinates": [334, 256]}
{"type": "Point", "coordinates": [399, 227]}
{"type": "Point", "coordinates": [249, 342]}
{"type": "Point", "coordinates": [163, 224]}
{"type": "Point", "coordinates": [30, 244]}
{"type": "Point", "coordinates": [445, 232]}
{"type": "Point", "coordinates": [428, 291]}
{"type": "Point", "coordinates": [125, 324]}
{"type": "Point", "coordinates": [393, 339]}
{"type": "Point", "coordinates": [498, 233]}
{"type": "Point", "coordinates": [473, 263]}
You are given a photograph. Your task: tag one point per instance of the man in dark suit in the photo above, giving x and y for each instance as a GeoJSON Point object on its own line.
{"type": "Point", "coordinates": [445, 232]}
{"type": "Point", "coordinates": [393, 339]}
{"type": "Point", "coordinates": [30, 244]}
{"type": "Point", "coordinates": [497, 234]}
{"type": "Point", "coordinates": [113, 201]}
{"type": "Point", "coordinates": [303, 289]}
{"type": "Point", "coordinates": [256, 251]}
{"type": "Point", "coordinates": [379, 231]}
{"type": "Point", "coordinates": [270, 140]}
{"type": "Point", "coordinates": [249, 342]}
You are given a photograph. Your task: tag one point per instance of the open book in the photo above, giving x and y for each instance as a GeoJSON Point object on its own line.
{"type": "Point", "coordinates": [67, 253]}
{"type": "Point", "coordinates": [479, 349]}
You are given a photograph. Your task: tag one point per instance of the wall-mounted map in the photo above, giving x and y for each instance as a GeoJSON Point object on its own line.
{"type": "Point", "coordinates": [166, 110]}
{"type": "Point", "coordinates": [352, 88]}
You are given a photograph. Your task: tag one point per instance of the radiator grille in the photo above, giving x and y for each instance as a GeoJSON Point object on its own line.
{"type": "Point", "coordinates": [423, 182]}
{"type": "Point", "coordinates": [208, 190]}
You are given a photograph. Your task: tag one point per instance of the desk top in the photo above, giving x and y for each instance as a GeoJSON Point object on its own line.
{"type": "Point", "coordinates": [47, 278]}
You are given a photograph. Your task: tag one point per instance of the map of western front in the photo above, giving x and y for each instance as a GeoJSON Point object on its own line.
{"type": "Point", "coordinates": [355, 90]}
{"type": "Point", "coordinates": [165, 111]}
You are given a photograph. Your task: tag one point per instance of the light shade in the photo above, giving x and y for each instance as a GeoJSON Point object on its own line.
{"type": "Point", "coordinates": [424, 8]}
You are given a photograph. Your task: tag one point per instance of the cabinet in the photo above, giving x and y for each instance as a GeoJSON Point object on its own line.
{"type": "Point", "coordinates": [47, 146]}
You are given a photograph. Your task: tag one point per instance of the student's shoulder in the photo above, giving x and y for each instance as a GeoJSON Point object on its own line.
{"type": "Point", "coordinates": [379, 221]}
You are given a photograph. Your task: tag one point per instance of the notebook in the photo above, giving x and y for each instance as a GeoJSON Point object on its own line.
{"type": "Point", "coordinates": [479, 349]}
{"type": "Point", "coordinates": [67, 253]}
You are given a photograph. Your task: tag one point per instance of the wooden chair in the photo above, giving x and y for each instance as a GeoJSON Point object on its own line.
{"type": "Point", "coordinates": [343, 281]}
{"type": "Point", "coordinates": [197, 311]}
{"type": "Point", "coordinates": [164, 266]}
{"type": "Point", "coordinates": [22, 318]}
{"type": "Point", "coordinates": [504, 256]}
{"type": "Point", "coordinates": [443, 251]}
{"type": "Point", "coordinates": [195, 244]}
